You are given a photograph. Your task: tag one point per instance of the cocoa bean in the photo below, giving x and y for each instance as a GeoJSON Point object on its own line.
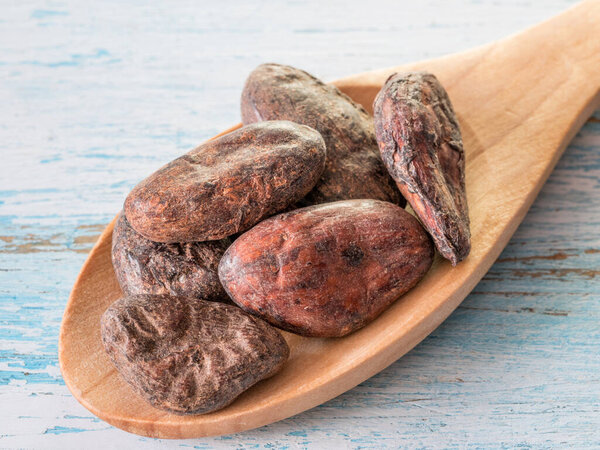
{"type": "Point", "coordinates": [186, 355]}
{"type": "Point", "coordinates": [421, 146]}
{"type": "Point", "coordinates": [228, 184]}
{"type": "Point", "coordinates": [185, 269]}
{"type": "Point", "coordinates": [329, 269]}
{"type": "Point", "coordinates": [354, 168]}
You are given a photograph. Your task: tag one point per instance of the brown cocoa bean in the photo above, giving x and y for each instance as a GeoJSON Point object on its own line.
{"type": "Point", "coordinates": [228, 184]}
{"type": "Point", "coordinates": [186, 355]}
{"type": "Point", "coordinates": [329, 269]}
{"type": "Point", "coordinates": [186, 269]}
{"type": "Point", "coordinates": [421, 146]}
{"type": "Point", "coordinates": [354, 168]}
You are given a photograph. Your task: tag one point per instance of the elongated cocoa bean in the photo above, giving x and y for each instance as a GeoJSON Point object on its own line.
{"type": "Point", "coordinates": [421, 146]}
{"type": "Point", "coordinates": [228, 184]}
{"type": "Point", "coordinates": [354, 168]}
{"type": "Point", "coordinates": [329, 269]}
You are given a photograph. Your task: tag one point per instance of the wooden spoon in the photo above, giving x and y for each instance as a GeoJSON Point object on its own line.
{"type": "Point", "coordinates": [519, 102]}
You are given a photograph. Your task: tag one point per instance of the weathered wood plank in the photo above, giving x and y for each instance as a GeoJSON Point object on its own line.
{"type": "Point", "coordinates": [94, 98]}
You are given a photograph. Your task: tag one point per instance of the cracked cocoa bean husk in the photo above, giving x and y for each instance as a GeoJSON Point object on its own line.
{"type": "Point", "coordinates": [329, 269]}
{"type": "Point", "coordinates": [186, 355]}
{"type": "Point", "coordinates": [185, 269]}
{"type": "Point", "coordinates": [228, 184]}
{"type": "Point", "coordinates": [421, 146]}
{"type": "Point", "coordinates": [354, 168]}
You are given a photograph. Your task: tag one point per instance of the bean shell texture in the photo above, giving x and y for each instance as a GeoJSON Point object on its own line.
{"type": "Point", "coordinates": [421, 146]}
{"type": "Point", "coordinates": [228, 184]}
{"type": "Point", "coordinates": [329, 269]}
{"type": "Point", "coordinates": [186, 355]}
{"type": "Point", "coordinates": [354, 168]}
{"type": "Point", "coordinates": [186, 269]}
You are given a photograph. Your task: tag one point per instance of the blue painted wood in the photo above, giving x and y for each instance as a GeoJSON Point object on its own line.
{"type": "Point", "coordinates": [94, 97]}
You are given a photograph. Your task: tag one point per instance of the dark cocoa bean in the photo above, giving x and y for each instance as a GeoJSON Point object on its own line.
{"type": "Point", "coordinates": [329, 269]}
{"type": "Point", "coordinates": [354, 168]}
{"type": "Point", "coordinates": [228, 184]}
{"type": "Point", "coordinates": [146, 267]}
{"type": "Point", "coordinates": [421, 146]}
{"type": "Point", "coordinates": [186, 355]}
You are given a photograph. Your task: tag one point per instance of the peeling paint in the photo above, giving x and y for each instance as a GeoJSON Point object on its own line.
{"type": "Point", "coordinates": [555, 257]}
{"type": "Point", "coordinates": [556, 273]}
{"type": "Point", "coordinates": [87, 113]}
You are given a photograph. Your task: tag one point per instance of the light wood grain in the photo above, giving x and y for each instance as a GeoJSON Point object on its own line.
{"type": "Point", "coordinates": [519, 102]}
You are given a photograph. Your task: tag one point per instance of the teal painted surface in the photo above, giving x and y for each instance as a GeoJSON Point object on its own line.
{"type": "Point", "coordinates": [95, 97]}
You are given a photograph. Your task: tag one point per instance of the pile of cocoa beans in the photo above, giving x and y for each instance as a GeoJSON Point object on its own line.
{"type": "Point", "coordinates": [294, 221]}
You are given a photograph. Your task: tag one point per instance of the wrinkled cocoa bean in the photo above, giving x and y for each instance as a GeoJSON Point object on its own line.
{"type": "Point", "coordinates": [354, 168]}
{"type": "Point", "coordinates": [186, 355]}
{"type": "Point", "coordinates": [421, 146]}
{"type": "Point", "coordinates": [146, 267]}
{"type": "Point", "coordinates": [228, 184]}
{"type": "Point", "coordinates": [329, 269]}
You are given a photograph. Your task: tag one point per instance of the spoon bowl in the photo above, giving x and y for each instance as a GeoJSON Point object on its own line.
{"type": "Point", "coordinates": [519, 101]}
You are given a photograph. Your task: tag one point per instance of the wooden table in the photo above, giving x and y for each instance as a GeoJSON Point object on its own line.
{"type": "Point", "coordinates": [96, 96]}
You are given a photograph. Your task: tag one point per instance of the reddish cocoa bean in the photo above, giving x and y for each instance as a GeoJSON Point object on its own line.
{"type": "Point", "coordinates": [186, 355]}
{"type": "Point", "coordinates": [329, 269]}
{"type": "Point", "coordinates": [354, 168]}
{"type": "Point", "coordinates": [228, 184]}
{"type": "Point", "coordinates": [146, 267]}
{"type": "Point", "coordinates": [421, 146]}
